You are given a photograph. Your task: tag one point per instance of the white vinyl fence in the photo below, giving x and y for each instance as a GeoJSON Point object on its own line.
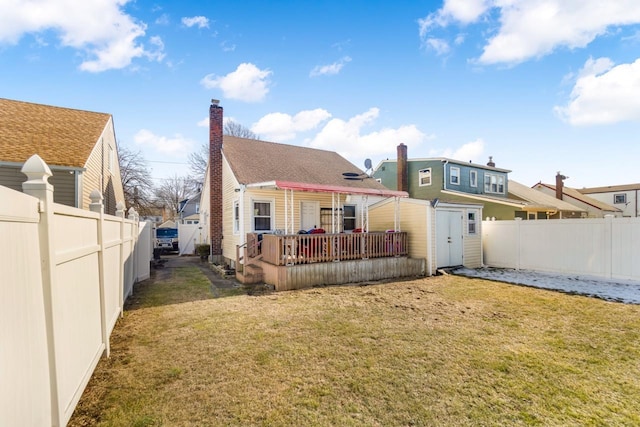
{"type": "Point", "coordinates": [602, 247]}
{"type": "Point", "coordinates": [189, 235]}
{"type": "Point", "coordinates": [64, 276]}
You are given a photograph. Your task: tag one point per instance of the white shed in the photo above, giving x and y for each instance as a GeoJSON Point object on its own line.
{"type": "Point", "coordinates": [444, 234]}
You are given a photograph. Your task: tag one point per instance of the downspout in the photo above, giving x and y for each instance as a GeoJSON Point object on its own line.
{"type": "Point", "coordinates": [444, 174]}
{"type": "Point", "coordinates": [429, 242]}
{"type": "Point", "coordinates": [241, 228]}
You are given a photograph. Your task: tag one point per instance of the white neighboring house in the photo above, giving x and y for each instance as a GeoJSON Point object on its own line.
{"type": "Point", "coordinates": [624, 197]}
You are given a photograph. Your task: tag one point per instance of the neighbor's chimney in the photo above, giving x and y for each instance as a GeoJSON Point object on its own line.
{"type": "Point", "coordinates": [403, 172]}
{"type": "Point", "coordinates": [215, 180]}
{"type": "Point", "coordinates": [560, 185]}
{"type": "Point", "coordinates": [490, 163]}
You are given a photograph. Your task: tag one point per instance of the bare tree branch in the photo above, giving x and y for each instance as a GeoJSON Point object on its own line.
{"type": "Point", "coordinates": [172, 191]}
{"type": "Point", "coordinates": [232, 128]}
{"type": "Point", "coordinates": [136, 180]}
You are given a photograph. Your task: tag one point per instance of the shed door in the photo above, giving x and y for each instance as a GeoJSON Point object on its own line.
{"type": "Point", "coordinates": [448, 238]}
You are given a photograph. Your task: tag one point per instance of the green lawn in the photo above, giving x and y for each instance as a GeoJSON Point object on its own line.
{"type": "Point", "coordinates": [435, 351]}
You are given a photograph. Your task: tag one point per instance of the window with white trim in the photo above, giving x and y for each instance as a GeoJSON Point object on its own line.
{"type": "Point", "coordinates": [236, 217]}
{"type": "Point", "coordinates": [349, 217]}
{"type": "Point", "coordinates": [619, 198]}
{"type": "Point", "coordinates": [472, 222]}
{"type": "Point", "coordinates": [493, 183]}
{"type": "Point", "coordinates": [262, 216]}
{"type": "Point", "coordinates": [424, 177]}
{"type": "Point", "coordinates": [454, 175]}
{"type": "Point", "coordinates": [473, 178]}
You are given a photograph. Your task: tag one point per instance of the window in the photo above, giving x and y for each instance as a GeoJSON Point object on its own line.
{"type": "Point", "coordinates": [472, 222]}
{"type": "Point", "coordinates": [619, 198]}
{"type": "Point", "coordinates": [349, 217]}
{"type": "Point", "coordinates": [454, 175]}
{"type": "Point", "coordinates": [473, 178]}
{"type": "Point", "coordinates": [493, 183]}
{"type": "Point", "coordinates": [424, 177]}
{"type": "Point", "coordinates": [198, 208]}
{"type": "Point", "coordinates": [236, 217]}
{"type": "Point", "coordinates": [262, 216]}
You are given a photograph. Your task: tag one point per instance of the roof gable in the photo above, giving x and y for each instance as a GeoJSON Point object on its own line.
{"type": "Point", "coordinates": [575, 194]}
{"type": "Point", "coordinates": [254, 161]}
{"type": "Point", "coordinates": [540, 199]}
{"type": "Point", "coordinates": [61, 136]}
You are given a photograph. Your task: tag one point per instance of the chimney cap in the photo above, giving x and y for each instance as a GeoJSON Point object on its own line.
{"type": "Point", "coordinates": [215, 101]}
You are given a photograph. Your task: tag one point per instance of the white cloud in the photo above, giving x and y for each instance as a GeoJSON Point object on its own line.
{"type": "Point", "coordinates": [100, 29]}
{"type": "Point", "coordinates": [439, 45]}
{"type": "Point", "coordinates": [603, 93]}
{"type": "Point", "coordinates": [247, 83]}
{"type": "Point", "coordinates": [471, 151]}
{"type": "Point", "coordinates": [196, 21]}
{"type": "Point", "coordinates": [175, 146]}
{"type": "Point", "coordinates": [331, 69]}
{"type": "Point", "coordinates": [349, 137]}
{"type": "Point", "coordinates": [282, 127]}
{"type": "Point", "coordinates": [463, 11]}
{"type": "Point", "coordinates": [533, 28]}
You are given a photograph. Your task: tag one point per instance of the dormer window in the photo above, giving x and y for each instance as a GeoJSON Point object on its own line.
{"type": "Point", "coordinates": [424, 177]}
{"type": "Point", "coordinates": [493, 183]}
{"type": "Point", "coordinates": [473, 178]}
{"type": "Point", "coordinates": [454, 175]}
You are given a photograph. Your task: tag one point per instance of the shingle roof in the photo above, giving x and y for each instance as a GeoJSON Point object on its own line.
{"type": "Point", "coordinates": [61, 136]}
{"type": "Point", "coordinates": [575, 194]}
{"type": "Point", "coordinates": [254, 161]}
{"type": "Point", "coordinates": [610, 188]}
{"type": "Point", "coordinates": [540, 199]}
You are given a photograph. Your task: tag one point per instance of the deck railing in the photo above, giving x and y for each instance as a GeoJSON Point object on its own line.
{"type": "Point", "coordinates": [292, 249]}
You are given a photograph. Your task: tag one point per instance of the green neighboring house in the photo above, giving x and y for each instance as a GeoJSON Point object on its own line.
{"type": "Point", "coordinates": [455, 181]}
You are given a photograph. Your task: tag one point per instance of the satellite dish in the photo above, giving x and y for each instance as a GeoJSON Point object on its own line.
{"type": "Point", "coordinates": [367, 163]}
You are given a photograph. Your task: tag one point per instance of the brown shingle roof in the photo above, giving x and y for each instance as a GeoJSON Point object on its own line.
{"type": "Point", "coordinates": [539, 199]}
{"type": "Point", "coordinates": [254, 161]}
{"type": "Point", "coordinates": [61, 136]}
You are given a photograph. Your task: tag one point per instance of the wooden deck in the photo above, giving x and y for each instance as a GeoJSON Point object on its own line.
{"type": "Point", "coordinates": [294, 249]}
{"type": "Point", "coordinates": [299, 261]}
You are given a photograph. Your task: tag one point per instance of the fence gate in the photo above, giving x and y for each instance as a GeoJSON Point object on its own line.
{"type": "Point", "coordinates": [448, 238]}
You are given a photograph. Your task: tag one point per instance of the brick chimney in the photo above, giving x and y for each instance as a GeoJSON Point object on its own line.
{"type": "Point", "coordinates": [215, 180]}
{"type": "Point", "coordinates": [560, 185]}
{"type": "Point", "coordinates": [403, 171]}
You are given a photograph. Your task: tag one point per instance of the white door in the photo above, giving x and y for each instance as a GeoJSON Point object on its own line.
{"type": "Point", "coordinates": [448, 238]}
{"type": "Point", "coordinates": [309, 215]}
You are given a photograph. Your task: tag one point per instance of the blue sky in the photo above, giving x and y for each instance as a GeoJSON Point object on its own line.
{"type": "Point", "coordinates": [540, 85]}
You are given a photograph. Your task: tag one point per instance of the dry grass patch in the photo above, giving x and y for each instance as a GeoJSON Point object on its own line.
{"type": "Point", "coordinates": [435, 351]}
